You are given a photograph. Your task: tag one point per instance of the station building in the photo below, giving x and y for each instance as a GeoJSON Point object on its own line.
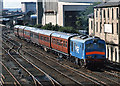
{"type": "Point", "coordinates": [104, 23]}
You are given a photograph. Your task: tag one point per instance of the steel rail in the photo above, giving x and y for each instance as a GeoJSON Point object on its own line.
{"type": "Point", "coordinates": [21, 66]}
{"type": "Point", "coordinates": [51, 79]}
{"type": "Point", "coordinates": [105, 78]}
{"type": "Point", "coordinates": [10, 74]}
{"type": "Point", "coordinates": [109, 80]}
{"type": "Point", "coordinates": [54, 69]}
{"type": "Point", "coordinates": [95, 80]}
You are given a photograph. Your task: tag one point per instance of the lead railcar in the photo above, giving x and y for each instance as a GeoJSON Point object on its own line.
{"type": "Point", "coordinates": [88, 50]}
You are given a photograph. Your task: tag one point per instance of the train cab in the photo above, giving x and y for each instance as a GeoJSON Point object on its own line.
{"type": "Point", "coordinates": [87, 50]}
{"type": "Point", "coordinates": [95, 51]}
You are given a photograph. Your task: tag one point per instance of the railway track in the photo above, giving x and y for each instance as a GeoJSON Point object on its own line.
{"type": "Point", "coordinates": [106, 75]}
{"type": "Point", "coordinates": [89, 72]}
{"type": "Point", "coordinates": [39, 76]}
{"type": "Point", "coordinates": [7, 78]}
{"type": "Point", "coordinates": [18, 70]}
{"type": "Point", "coordinates": [101, 75]}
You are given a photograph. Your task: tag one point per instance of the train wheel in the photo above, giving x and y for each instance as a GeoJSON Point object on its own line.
{"type": "Point", "coordinates": [82, 63]}
{"type": "Point", "coordinates": [77, 61]}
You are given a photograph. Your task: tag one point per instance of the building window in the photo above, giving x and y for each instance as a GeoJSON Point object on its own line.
{"type": "Point", "coordinates": [117, 13]}
{"type": "Point", "coordinates": [108, 52]}
{"type": "Point", "coordinates": [112, 28]}
{"type": "Point", "coordinates": [115, 54]}
{"type": "Point", "coordinates": [100, 13]}
{"type": "Point", "coordinates": [96, 12]}
{"type": "Point", "coordinates": [91, 25]}
{"type": "Point", "coordinates": [117, 28]}
{"type": "Point", "coordinates": [108, 12]}
{"type": "Point", "coordinates": [96, 26]}
{"type": "Point", "coordinates": [100, 27]}
{"type": "Point", "coordinates": [111, 53]}
{"type": "Point", "coordinates": [104, 13]}
{"type": "Point", "coordinates": [112, 14]}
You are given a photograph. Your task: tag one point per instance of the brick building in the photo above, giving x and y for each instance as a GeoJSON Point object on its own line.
{"type": "Point", "coordinates": [104, 23]}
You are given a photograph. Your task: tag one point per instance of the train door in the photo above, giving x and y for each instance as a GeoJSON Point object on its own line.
{"type": "Point", "coordinates": [76, 49]}
{"type": "Point", "coordinates": [80, 51]}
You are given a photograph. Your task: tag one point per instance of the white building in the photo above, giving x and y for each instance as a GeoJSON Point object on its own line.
{"type": "Point", "coordinates": [57, 11]}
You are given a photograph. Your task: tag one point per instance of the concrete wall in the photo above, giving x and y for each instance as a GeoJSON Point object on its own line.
{"type": "Point", "coordinates": [51, 18]}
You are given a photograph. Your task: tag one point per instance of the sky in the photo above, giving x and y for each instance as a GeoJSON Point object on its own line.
{"type": "Point", "coordinates": [17, 3]}
{"type": "Point", "coordinates": [14, 3]}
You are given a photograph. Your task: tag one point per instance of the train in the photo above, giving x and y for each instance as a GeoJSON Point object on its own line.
{"type": "Point", "coordinates": [83, 50]}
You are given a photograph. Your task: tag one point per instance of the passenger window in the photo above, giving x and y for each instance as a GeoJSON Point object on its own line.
{"type": "Point", "coordinates": [31, 34]}
{"type": "Point", "coordinates": [44, 38]}
{"type": "Point", "coordinates": [36, 36]}
{"type": "Point", "coordinates": [41, 37]}
{"type": "Point", "coordinates": [57, 42]}
{"type": "Point", "coordinates": [66, 44]}
{"type": "Point", "coordinates": [71, 45]}
{"type": "Point", "coordinates": [53, 40]}
{"type": "Point", "coordinates": [61, 42]}
{"type": "Point", "coordinates": [47, 39]}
